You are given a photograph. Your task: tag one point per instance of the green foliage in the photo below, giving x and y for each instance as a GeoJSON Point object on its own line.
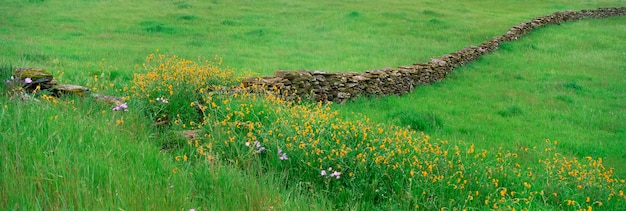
{"type": "Point", "coordinates": [5, 76]}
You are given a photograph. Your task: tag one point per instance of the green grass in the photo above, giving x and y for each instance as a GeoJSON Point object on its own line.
{"type": "Point", "coordinates": [76, 155]}
{"type": "Point", "coordinates": [563, 83]}
{"type": "Point", "coordinates": [332, 36]}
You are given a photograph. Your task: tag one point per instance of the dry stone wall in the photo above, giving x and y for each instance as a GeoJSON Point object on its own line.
{"type": "Point", "coordinates": [339, 87]}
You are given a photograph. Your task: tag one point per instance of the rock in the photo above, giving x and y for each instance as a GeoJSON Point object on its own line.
{"type": "Point", "coordinates": [35, 74]}
{"type": "Point", "coordinates": [343, 95]}
{"type": "Point", "coordinates": [53, 82]}
{"type": "Point", "coordinates": [69, 89]}
{"type": "Point", "coordinates": [38, 77]}
{"type": "Point", "coordinates": [247, 82]}
{"type": "Point", "coordinates": [191, 134]}
{"type": "Point", "coordinates": [108, 99]}
{"type": "Point", "coordinates": [24, 97]}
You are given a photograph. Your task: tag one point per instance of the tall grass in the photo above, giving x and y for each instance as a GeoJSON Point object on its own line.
{"type": "Point", "coordinates": [74, 153]}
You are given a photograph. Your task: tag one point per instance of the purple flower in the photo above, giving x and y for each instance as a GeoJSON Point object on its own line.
{"type": "Point", "coordinates": [283, 157]}
{"type": "Point", "coordinates": [335, 174]}
{"type": "Point", "coordinates": [8, 82]}
{"type": "Point", "coordinates": [122, 106]}
{"type": "Point", "coordinates": [28, 80]}
{"type": "Point", "coordinates": [255, 146]}
{"type": "Point", "coordinates": [323, 173]}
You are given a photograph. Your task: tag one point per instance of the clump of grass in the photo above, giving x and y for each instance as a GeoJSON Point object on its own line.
{"type": "Point", "coordinates": [35, 57]}
{"type": "Point", "coordinates": [565, 98]}
{"type": "Point", "coordinates": [354, 14]}
{"type": "Point", "coordinates": [573, 85]}
{"type": "Point", "coordinates": [156, 27]}
{"type": "Point", "coordinates": [511, 111]}
{"type": "Point", "coordinates": [182, 5]}
{"type": "Point", "coordinates": [419, 121]}
{"type": "Point", "coordinates": [187, 17]}
{"type": "Point", "coordinates": [424, 121]}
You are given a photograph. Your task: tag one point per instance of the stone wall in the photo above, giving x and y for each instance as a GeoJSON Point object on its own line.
{"type": "Point", "coordinates": [339, 87]}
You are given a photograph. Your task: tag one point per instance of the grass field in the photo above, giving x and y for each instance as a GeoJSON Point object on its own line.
{"type": "Point", "coordinates": [554, 84]}
{"type": "Point", "coordinates": [564, 83]}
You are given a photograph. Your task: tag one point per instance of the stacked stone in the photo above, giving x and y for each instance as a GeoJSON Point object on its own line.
{"type": "Point", "coordinates": [339, 87]}
{"type": "Point", "coordinates": [35, 80]}
{"type": "Point", "coordinates": [42, 80]}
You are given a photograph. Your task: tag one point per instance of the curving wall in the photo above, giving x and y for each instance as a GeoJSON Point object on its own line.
{"type": "Point", "coordinates": [339, 87]}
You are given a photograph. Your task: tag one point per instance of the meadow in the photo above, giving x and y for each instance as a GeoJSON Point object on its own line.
{"type": "Point", "coordinates": [537, 125]}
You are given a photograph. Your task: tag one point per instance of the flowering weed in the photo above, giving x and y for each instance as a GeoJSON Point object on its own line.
{"type": "Point", "coordinates": [389, 166]}
{"type": "Point", "coordinates": [172, 88]}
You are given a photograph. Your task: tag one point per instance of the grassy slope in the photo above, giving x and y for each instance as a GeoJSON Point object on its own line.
{"type": "Point", "coordinates": [562, 83]}
{"type": "Point", "coordinates": [336, 36]}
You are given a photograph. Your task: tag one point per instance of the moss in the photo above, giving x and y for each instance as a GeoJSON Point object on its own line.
{"type": "Point", "coordinates": [32, 73]}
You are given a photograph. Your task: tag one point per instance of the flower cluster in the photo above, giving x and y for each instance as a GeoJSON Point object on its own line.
{"type": "Point", "coordinates": [162, 100]}
{"type": "Point", "coordinates": [121, 107]}
{"type": "Point", "coordinates": [256, 146]}
{"type": "Point", "coordinates": [282, 155]}
{"type": "Point", "coordinates": [26, 80]}
{"type": "Point", "coordinates": [179, 82]}
{"type": "Point", "coordinates": [335, 174]}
